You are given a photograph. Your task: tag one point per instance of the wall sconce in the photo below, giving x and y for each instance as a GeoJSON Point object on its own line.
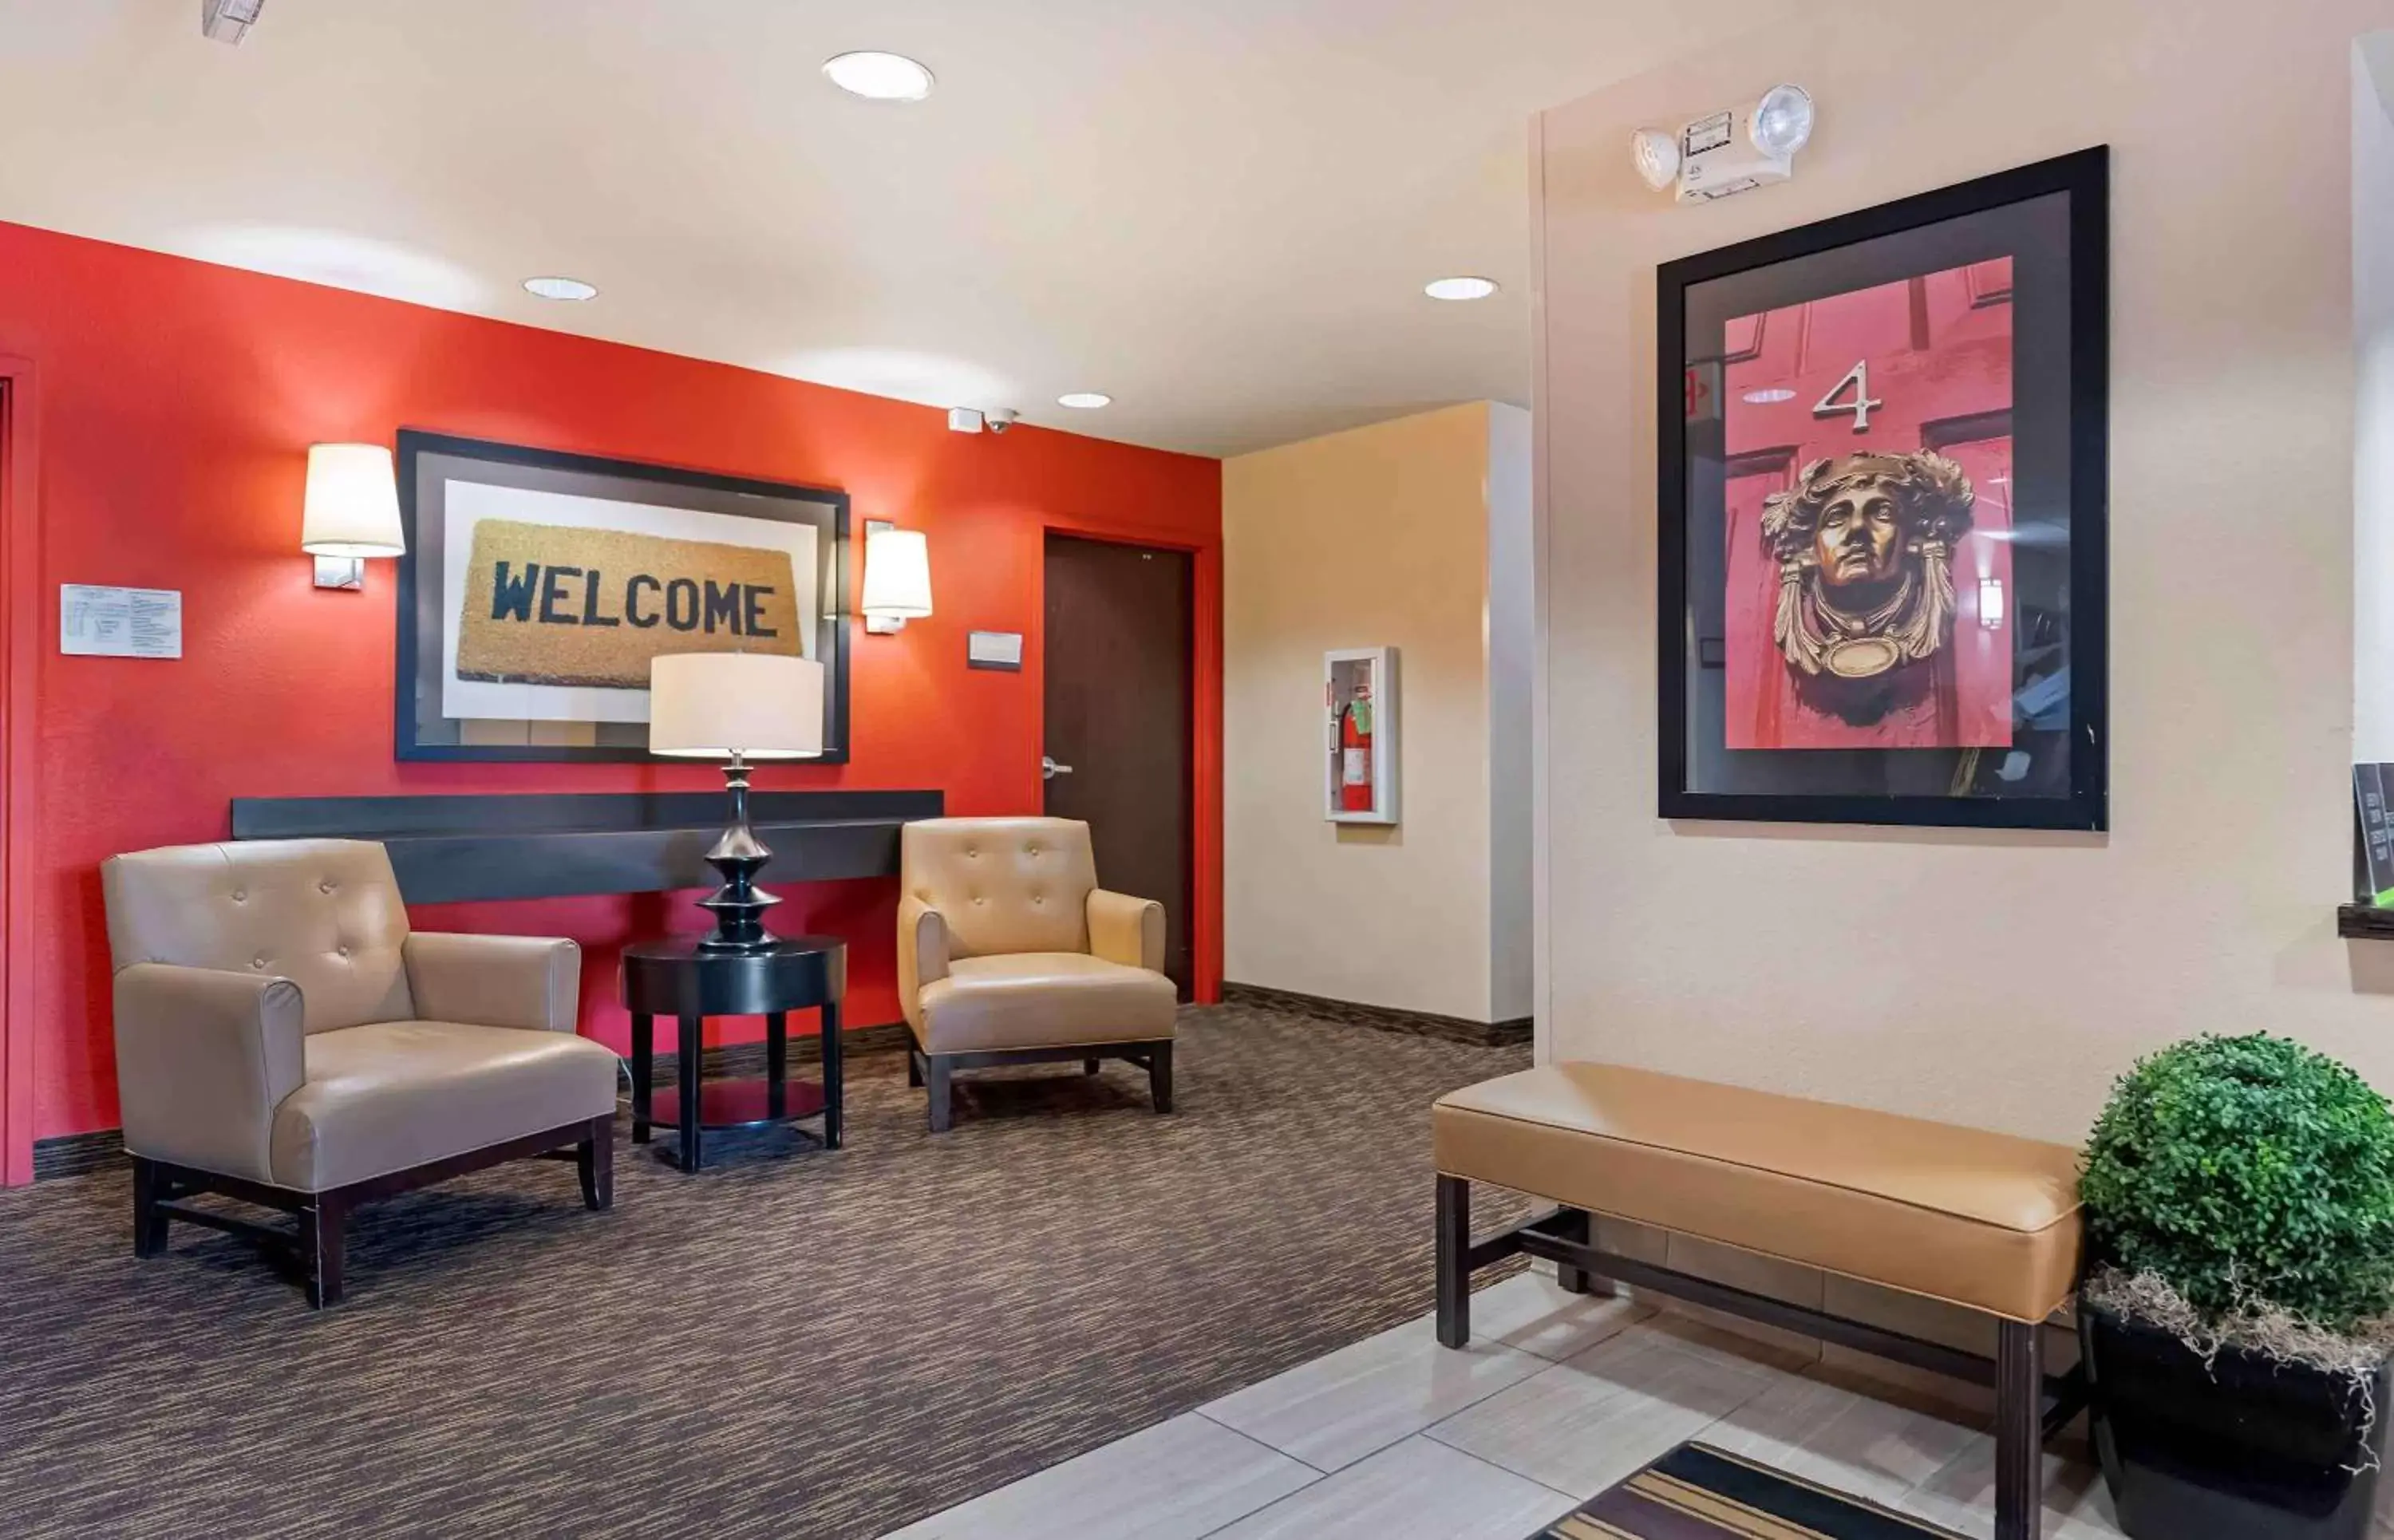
{"type": "Point", "coordinates": [353, 514]}
{"type": "Point", "coordinates": [1991, 603]}
{"type": "Point", "coordinates": [897, 577]}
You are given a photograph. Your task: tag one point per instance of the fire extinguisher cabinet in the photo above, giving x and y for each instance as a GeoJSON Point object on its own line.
{"type": "Point", "coordinates": [1358, 687]}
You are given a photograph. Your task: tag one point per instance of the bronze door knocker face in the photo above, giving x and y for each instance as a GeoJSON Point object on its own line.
{"type": "Point", "coordinates": [1865, 545]}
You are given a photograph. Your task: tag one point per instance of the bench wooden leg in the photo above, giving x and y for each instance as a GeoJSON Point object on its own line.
{"type": "Point", "coordinates": [1580, 1227]}
{"type": "Point", "coordinates": [2019, 1432]}
{"type": "Point", "coordinates": [1454, 1261]}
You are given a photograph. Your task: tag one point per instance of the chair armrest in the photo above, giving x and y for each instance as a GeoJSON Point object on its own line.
{"type": "Point", "coordinates": [203, 1056]}
{"type": "Point", "coordinates": [921, 955]}
{"type": "Point", "coordinates": [534, 983]}
{"type": "Point", "coordinates": [1126, 931]}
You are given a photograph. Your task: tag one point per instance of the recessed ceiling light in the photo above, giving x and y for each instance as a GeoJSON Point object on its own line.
{"type": "Point", "coordinates": [882, 76]}
{"type": "Point", "coordinates": [1085, 401]}
{"type": "Point", "coordinates": [1459, 288]}
{"type": "Point", "coordinates": [1770, 397]}
{"type": "Point", "coordinates": [561, 288]}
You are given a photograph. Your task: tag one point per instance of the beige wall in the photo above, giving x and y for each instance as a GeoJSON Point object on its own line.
{"type": "Point", "coordinates": [1995, 979]}
{"type": "Point", "coordinates": [2373, 456]}
{"type": "Point", "coordinates": [1512, 670]}
{"type": "Point", "coordinates": [1373, 537]}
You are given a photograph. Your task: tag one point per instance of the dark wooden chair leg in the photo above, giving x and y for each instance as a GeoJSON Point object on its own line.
{"type": "Point", "coordinates": [1454, 1261]}
{"type": "Point", "coordinates": [149, 1223]}
{"type": "Point", "coordinates": [914, 1068]}
{"type": "Point", "coordinates": [594, 1159]}
{"type": "Point", "coordinates": [1159, 1076]}
{"type": "Point", "coordinates": [935, 1075]}
{"type": "Point", "coordinates": [321, 1224]}
{"type": "Point", "coordinates": [2019, 1432]}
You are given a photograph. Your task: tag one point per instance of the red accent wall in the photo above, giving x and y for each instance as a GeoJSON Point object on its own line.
{"type": "Point", "coordinates": [175, 402]}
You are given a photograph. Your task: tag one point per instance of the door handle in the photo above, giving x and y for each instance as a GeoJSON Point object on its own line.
{"type": "Point", "coordinates": [1049, 769]}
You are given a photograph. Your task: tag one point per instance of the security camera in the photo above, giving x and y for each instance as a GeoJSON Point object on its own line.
{"type": "Point", "coordinates": [964, 419]}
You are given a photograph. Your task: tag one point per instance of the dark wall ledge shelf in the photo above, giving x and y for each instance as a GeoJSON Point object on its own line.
{"type": "Point", "coordinates": [2357, 922]}
{"type": "Point", "coordinates": [452, 849]}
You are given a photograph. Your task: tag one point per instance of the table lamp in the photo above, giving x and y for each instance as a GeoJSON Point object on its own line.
{"type": "Point", "coordinates": [736, 706]}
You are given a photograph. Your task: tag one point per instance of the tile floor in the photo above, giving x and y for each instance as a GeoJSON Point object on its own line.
{"type": "Point", "coordinates": [1559, 1397]}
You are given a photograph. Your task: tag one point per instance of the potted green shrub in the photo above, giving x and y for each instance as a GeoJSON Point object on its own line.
{"type": "Point", "coordinates": [2236, 1326]}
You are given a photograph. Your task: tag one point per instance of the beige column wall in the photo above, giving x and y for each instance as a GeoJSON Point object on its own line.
{"type": "Point", "coordinates": [2372, 328]}
{"type": "Point", "coordinates": [1985, 978]}
{"type": "Point", "coordinates": [1372, 537]}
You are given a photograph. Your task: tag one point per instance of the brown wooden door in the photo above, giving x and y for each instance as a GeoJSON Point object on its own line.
{"type": "Point", "coordinates": [1118, 648]}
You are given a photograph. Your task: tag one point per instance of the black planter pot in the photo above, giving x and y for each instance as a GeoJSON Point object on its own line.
{"type": "Point", "coordinates": [2242, 1448]}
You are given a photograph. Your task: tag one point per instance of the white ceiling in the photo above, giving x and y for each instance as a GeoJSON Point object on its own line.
{"type": "Point", "coordinates": [1219, 211]}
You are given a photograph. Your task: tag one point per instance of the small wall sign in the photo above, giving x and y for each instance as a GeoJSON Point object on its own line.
{"type": "Point", "coordinates": [102, 622]}
{"type": "Point", "coordinates": [995, 650]}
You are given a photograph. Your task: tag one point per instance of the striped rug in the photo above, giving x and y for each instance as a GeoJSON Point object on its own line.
{"type": "Point", "coordinates": [1699, 1494]}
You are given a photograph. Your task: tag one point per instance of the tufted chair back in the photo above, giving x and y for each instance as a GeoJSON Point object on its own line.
{"type": "Point", "coordinates": [324, 914]}
{"type": "Point", "coordinates": [1004, 884]}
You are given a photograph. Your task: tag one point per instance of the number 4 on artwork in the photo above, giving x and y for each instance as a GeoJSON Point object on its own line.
{"type": "Point", "coordinates": [1857, 379]}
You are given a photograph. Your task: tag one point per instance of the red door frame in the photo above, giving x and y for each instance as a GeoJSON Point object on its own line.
{"type": "Point", "coordinates": [1204, 728]}
{"type": "Point", "coordinates": [21, 615]}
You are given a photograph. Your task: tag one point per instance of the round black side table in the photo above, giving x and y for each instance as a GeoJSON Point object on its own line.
{"type": "Point", "coordinates": [674, 978]}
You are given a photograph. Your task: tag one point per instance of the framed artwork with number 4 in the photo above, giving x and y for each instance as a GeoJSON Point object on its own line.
{"type": "Point", "coordinates": [1882, 472]}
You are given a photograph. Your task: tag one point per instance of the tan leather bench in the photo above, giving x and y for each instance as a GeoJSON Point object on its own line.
{"type": "Point", "coordinates": [1978, 1219]}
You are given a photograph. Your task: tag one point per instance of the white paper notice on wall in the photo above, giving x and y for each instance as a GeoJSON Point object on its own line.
{"type": "Point", "coordinates": [101, 621]}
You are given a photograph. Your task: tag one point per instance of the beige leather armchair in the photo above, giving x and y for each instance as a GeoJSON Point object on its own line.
{"type": "Point", "coordinates": [281, 1038]}
{"type": "Point", "coordinates": [1008, 953]}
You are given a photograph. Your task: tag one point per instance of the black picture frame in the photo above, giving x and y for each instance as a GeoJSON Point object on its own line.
{"type": "Point", "coordinates": [2083, 180]}
{"type": "Point", "coordinates": [419, 663]}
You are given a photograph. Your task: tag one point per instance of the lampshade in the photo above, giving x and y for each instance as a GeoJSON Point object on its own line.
{"type": "Point", "coordinates": [708, 705]}
{"type": "Point", "coordinates": [353, 503]}
{"type": "Point", "coordinates": [897, 574]}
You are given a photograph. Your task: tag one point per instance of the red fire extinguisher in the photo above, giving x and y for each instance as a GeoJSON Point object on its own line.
{"type": "Point", "coordinates": [1355, 752]}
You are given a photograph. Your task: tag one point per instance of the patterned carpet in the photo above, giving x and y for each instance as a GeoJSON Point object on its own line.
{"type": "Point", "coordinates": [794, 1344]}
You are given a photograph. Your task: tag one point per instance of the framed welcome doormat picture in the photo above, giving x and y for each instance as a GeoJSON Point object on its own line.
{"type": "Point", "coordinates": [1882, 464]}
{"type": "Point", "coordinates": [538, 586]}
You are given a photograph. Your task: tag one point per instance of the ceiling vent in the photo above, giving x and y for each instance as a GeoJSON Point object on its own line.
{"type": "Point", "coordinates": [229, 21]}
